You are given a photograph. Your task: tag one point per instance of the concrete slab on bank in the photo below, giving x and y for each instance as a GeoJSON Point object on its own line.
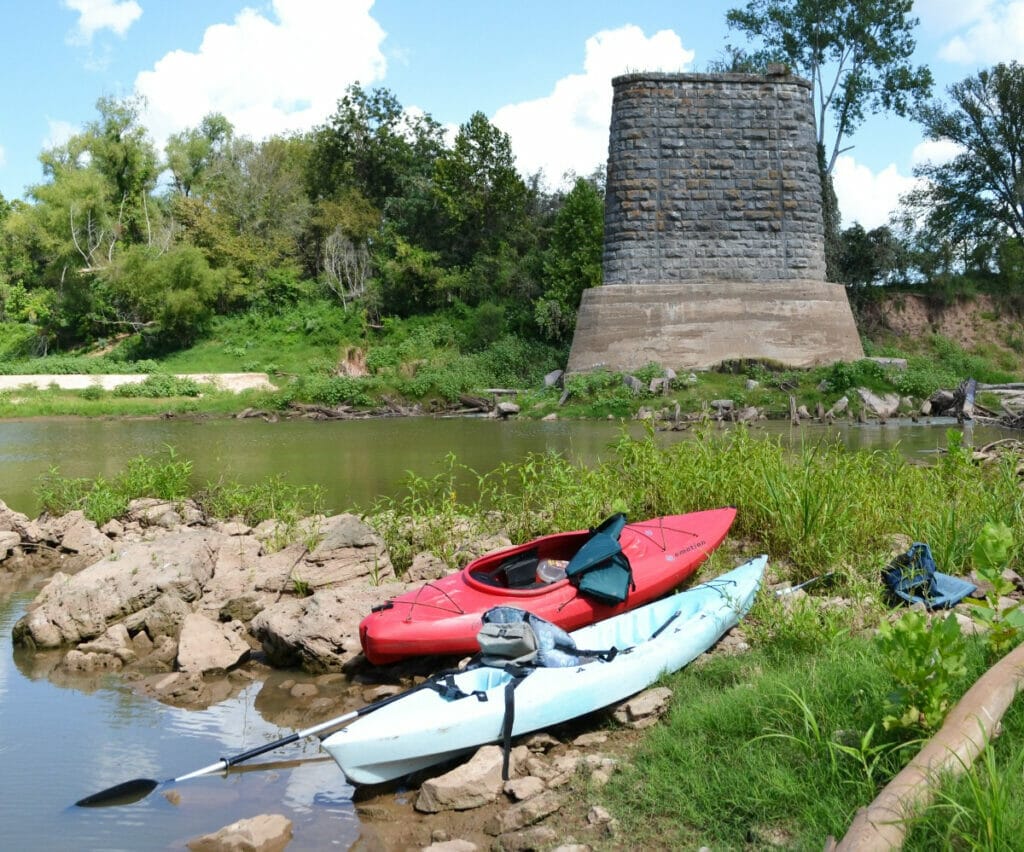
{"type": "Point", "coordinates": [234, 382]}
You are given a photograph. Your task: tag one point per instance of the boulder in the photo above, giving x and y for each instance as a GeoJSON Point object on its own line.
{"type": "Point", "coordinates": [348, 550]}
{"type": "Point", "coordinates": [321, 632]}
{"type": "Point", "coordinates": [506, 409]}
{"type": "Point", "coordinates": [8, 541]}
{"type": "Point", "coordinates": [555, 379]}
{"type": "Point", "coordinates": [206, 646]}
{"type": "Point", "coordinates": [263, 833]}
{"type": "Point", "coordinates": [426, 566]}
{"type": "Point", "coordinates": [11, 521]}
{"type": "Point", "coordinates": [523, 814]}
{"type": "Point", "coordinates": [163, 618]}
{"type": "Point", "coordinates": [473, 784]}
{"type": "Point", "coordinates": [883, 406]}
{"type": "Point", "coordinates": [168, 514]}
{"type": "Point", "coordinates": [72, 609]}
{"type": "Point", "coordinates": [79, 537]}
{"type": "Point", "coordinates": [643, 710]}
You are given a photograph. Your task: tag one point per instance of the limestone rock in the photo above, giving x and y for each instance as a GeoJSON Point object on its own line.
{"type": "Point", "coordinates": [264, 833]}
{"type": "Point", "coordinates": [348, 550]}
{"type": "Point", "coordinates": [535, 837]}
{"type": "Point", "coordinates": [321, 632]}
{"type": "Point", "coordinates": [81, 538]}
{"type": "Point", "coordinates": [426, 566]}
{"type": "Point", "coordinates": [506, 409]}
{"type": "Point", "coordinates": [207, 646]}
{"type": "Point", "coordinates": [473, 784]}
{"type": "Point", "coordinates": [73, 609]}
{"type": "Point", "coordinates": [523, 814]}
{"type": "Point", "coordinates": [520, 789]}
{"type": "Point", "coordinates": [8, 541]}
{"type": "Point", "coordinates": [644, 710]}
{"type": "Point", "coordinates": [163, 618]}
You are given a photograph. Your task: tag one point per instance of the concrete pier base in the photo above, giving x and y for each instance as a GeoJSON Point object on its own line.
{"type": "Point", "coordinates": [691, 325]}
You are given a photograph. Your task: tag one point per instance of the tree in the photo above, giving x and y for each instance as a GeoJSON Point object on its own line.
{"type": "Point", "coordinates": [480, 196]}
{"type": "Point", "coordinates": [120, 150]}
{"type": "Point", "coordinates": [572, 261]}
{"type": "Point", "coordinates": [169, 295]}
{"type": "Point", "coordinates": [372, 145]}
{"type": "Point", "coordinates": [976, 199]}
{"type": "Point", "coordinates": [346, 266]}
{"type": "Point", "coordinates": [855, 53]}
{"type": "Point", "coordinates": [193, 153]}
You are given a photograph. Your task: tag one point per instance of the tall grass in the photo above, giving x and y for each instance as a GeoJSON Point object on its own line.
{"type": "Point", "coordinates": [812, 507]}
{"type": "Point", "coordinates": [164, 476]}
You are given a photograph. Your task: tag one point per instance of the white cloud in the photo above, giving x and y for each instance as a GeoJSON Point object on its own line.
{"type": "Point", "coordinates": [944, 16]}
{"type": "Point", "coordinates": [266, 75]}
{"type": "Point", "coordinates": [867, 197]}
{"type": "Point", "coordinates": [57, 133]}
{"type": "Point", "coordinates": [96, 15]}
{"type": "Point", "coordinates": [3, 157]}
{"type": "Point", "coordinates": [568, 129]}
{"type": "Point", "coordinates": [936, 152]}
{"type": "Point", "coordinates": [992, 33]}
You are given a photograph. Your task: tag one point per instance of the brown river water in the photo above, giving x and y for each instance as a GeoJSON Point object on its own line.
{"type": "Point", "coordinates": [63, 739]}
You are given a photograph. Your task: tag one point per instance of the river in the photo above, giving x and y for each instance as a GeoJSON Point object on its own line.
{"type": "Point", "coordinates": [357, 461]}
{"type": "Point", "coordinates": [61, 739]}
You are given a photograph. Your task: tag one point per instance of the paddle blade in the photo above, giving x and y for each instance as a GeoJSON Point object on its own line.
{"type": "Point", "coordinates": [120, 794]}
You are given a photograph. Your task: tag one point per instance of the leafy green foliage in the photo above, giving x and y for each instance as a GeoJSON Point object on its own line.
{"type": "Point", "coordinates": [159, 386]}
{"type": "Point", "coordinates": [163, 477]}
{"type": "Point", "coordinates": [928, 661]}
{"type": "Point", "coordinates": [856, 54]}
{"type": "Point", "coordinates": [572, 261]}
{"type": "Point", "coordinates": [973, 198]}
{"type": "Point", "coordinates": [1005, 624]}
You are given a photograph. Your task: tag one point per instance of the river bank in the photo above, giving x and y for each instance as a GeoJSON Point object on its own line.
{"type": "Point", "coordinates": [226, 610]}
{"type": "Point", "coordinates": [814, 507]}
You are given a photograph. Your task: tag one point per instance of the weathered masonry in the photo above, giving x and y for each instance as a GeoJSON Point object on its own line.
{"type": "Point", "coordinates": [713, 238]}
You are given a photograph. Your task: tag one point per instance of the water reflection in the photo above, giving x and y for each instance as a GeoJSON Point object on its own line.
{"type": "Point", "coordinates": [62, 742]}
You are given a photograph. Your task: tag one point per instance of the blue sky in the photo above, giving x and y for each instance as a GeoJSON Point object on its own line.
{"type": "Point", "coordinates": [539, 69]}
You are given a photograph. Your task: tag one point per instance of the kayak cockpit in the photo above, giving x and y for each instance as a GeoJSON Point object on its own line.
{"type": "Point", "coordinates": [531, 569]}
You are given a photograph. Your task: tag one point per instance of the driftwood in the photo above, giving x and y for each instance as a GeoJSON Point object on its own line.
{"type": "Point", "coordinates": [968, 728]}
{"type": "Point", "coordinates": [475, 402]}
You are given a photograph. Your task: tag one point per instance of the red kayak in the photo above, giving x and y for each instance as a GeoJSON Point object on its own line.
{"type": "Point", "coordinates": [443, 616]}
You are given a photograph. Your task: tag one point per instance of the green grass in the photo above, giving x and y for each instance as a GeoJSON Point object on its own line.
{"type": "Point", "coordinates": [433, 360]}
{"type": "Point", "coordinates": [779, 746]}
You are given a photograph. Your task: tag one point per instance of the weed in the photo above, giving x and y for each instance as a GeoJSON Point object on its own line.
{"type": "Point", "coordinates": [927, 661]}
{"type": "Point", "coordinates": [1005, 625]}
{"type": "Point", "coordinates": [301, 587]}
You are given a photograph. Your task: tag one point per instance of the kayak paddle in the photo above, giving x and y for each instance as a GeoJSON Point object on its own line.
{"type": "Point", "coordinates": [128, 792]}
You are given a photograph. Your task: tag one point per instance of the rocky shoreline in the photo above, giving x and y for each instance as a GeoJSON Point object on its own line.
{"type": "Point", "coordinates": [190, 611]}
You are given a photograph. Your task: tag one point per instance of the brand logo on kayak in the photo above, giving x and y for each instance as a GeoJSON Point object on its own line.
{"type": "Point", "coordinates": [697, 545]}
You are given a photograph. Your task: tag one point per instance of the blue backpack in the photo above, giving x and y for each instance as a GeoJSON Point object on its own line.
{"type": "Point", "coordinates": [912, 577]}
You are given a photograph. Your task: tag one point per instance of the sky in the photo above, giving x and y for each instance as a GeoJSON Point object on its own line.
{"type": "Point", "coordinates": [539, 69]}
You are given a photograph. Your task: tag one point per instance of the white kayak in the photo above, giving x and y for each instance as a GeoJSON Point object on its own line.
{"type": "Point", "coordinates": [423, 727]}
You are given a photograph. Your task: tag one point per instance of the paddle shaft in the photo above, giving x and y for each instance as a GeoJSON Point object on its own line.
{"type": "Point", "coordinates": [225, 762]}
{"type": "Point", "coordinates": [138, 788]}
{"type": "Point", "coordinates": [231, 760]}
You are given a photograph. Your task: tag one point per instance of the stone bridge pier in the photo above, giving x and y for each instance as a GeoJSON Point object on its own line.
{"type": "Point", "coordinates": [713, 241]}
